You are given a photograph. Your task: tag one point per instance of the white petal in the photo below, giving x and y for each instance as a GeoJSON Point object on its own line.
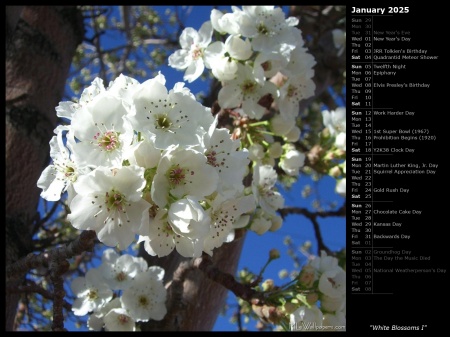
{"type": "Point", "coordinates": [205, 33]}
{"type": "Point", "coordinates": [230, 96]}
{"type": "Point", "coordinates": [238, 48]}
{"type": "Point", "coordinates": [51, 185]}
{"type": "Point", "coordinates": [194, 70]}
{"type": "Point", "coordinates": [188, 37]}
{"type": "Point", "coordinates": [119, 320]}
{"type": "Point", "coordinates": [179, 59]}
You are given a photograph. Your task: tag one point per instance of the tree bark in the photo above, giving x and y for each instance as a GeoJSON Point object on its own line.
{"type": "Point", "coordinates": [42, 42]}
{"type": "Point", "coordinates": [12, 17]}
{"type": "Point", "coordinates": [194, 301]}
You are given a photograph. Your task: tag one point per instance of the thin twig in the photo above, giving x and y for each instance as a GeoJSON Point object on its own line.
{"type": "Point", "coordinates": [204, 263]}
{"type": "Point", "coordinates": [312, 216]}
{"type": "Point", "coordinates": [32, 287]}
{"type": "Point", "coordinates": [85, 242]}
{"type": "Point", "coordinates": [58, 267]}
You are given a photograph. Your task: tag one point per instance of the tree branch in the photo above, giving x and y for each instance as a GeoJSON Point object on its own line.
{"type": "Point", "coordinates": [312, 216]}
{"type": "Point", "coordinates": [32, 287]}
{"type": "Point", "coordinates": [58, 267]}
{"type": "Point", "coordinates": [85, 242]}
{"type": "Point", "coordinates": [243, 291]}
{"type": "Point", "coordinates": [96, 42]}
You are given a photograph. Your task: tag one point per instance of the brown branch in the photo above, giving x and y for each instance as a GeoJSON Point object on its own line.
{"type": "Point", "coordinates": [85, 242]}
{"type": "Point", "coordinates": [303, 211]}
{"type": "Point", "coordinates": [125, 14]}
{"type": "Point", "coordinates": [239, 318]}
{"type": "Point", "coordinates": [32, 287]}
{"type": "Point", "coordinates": [320, 244]}
{"type": "Point", "coordinates": [58, 267]}
{"type": "Point", "coordinates": [312, 216]}
{"type": "Point", "coordinates": [243, 291]}
{"type": "Point", "coordinates": [56, 260]}
{"type": "Point", "coordinates": [96, 42]}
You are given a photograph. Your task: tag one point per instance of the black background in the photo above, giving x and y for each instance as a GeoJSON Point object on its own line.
{"type": "Point", "coordinates": [416, 299]}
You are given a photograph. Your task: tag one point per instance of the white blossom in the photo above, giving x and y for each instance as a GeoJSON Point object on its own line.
{"type": "Point", "coordinates": [225, 212]}
{"type": "Point", "coordinates": [173, 117]}
{"type": "Point", "coordinates": [294, 90]}
{"type": "Point", "coordinates": [109, 202]}
{"type": "Point", "coordinates": [300, 63]}
{"type": "Point", "coordinates": [324, 263]}
{"type": "Point", "coordinates": [335, 120]}
{"type": "Point", "coordinates": [293, 135]}
{"type": "Point", "coordinates": [292, 160]}
{"type": "Point", "coordinates": [95, 321]}
{"type": "Point", "coordinates": [333, 282]}
{"type": "Point", "coordinates": [244, 91]}
{"type": "Point", "coordinates": [182, 172]}
{"type": "Point", "coordinates": [226, 23]}
{"type": "Point", "coordinates": [118, 319]}
{"type": "Point", "coordinates": [269, 29]}
{"type": "Point", "coordinates": [341, 141]}
{"type": "Point", "coordinates": [261, 222]}
{"type": "Point", "coordinates": [119, 271]}
{"type": "Point", "coordinates": [68, 109]}
{"type": "Point", "coordinates": [59, 176]}
{"type": "Point", "coordinates": [160, 239]}
{"type": "Point", "coordinates": [146, 297]}
{"type": "Point", "coordinates": [224, 155]}
{"type": "Point", "coordinates": [91, 291]}
{"type": "Point", "coordinates": [190, 57]}
{"type": "Point", "coordinates": [188, 218]}
{"type": "Point", "coordinates": [223, 58]}
{"type": "Point", "coordinates": [341, 186]}
{"type": "Point", "coordinates": [123, 87]}
{"type": "Point", "coordinates": [300, 318]}
{"type": "Point", "coordinates": [143, 153]}
{"type": "Point", "coordinates": [268, 64]}
{"type": "Point", "coordinates": [335, 320]}
{"type": "Point", "coordinates": [256, 152]}
{"type": "Point", "coordinates": [332, 304]}
{"type": "Point", "coordinates": [101, 132]}
{"type": "Point", "coordinates": [281, 125]}
{"type": "Point", "coordinates": [263, 187]}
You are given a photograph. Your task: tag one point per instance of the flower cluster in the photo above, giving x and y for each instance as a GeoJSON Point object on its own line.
{"type": "Point", "coordinates": [314, 298]}
{"type": "Point", "coordinates": [265, 71]}
{"type": "Point", "coordinates": [142, 293]}
{"type": "Point", "coordinates": [138, 160]}
{"type": "Point", "coordinates": [334, 122]}
{"type": "Point", "coordinates": [326, 281]}
{"type": "Point", "coordinates": [261, 44]}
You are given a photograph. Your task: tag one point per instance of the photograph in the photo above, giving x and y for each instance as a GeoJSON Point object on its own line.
{"type": "Point", "coordinates": [184, 168]}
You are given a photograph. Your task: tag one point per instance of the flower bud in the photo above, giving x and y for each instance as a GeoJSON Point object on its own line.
{"type": "Point", "coordinates": [335, 172]}
{"type": "Point", "coordinates": [268, 285]}
{"type": "Point", "coordinates": [306, 277]}
{"type": "Point", "coordinates": [274, 254]}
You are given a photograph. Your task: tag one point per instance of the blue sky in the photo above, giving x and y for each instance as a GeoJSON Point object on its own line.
{"type": "Point", "coordinates": [300, 229]}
